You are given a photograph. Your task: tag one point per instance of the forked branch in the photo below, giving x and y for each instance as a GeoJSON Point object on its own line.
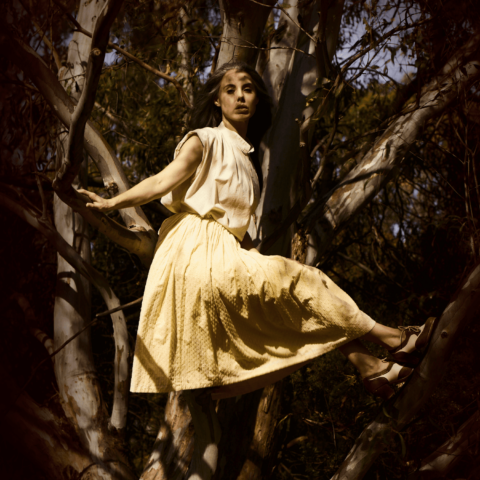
{"type": "Point", "coordinates": [62, 106]}
{"type": "Point", "coordinates": [361, 184]}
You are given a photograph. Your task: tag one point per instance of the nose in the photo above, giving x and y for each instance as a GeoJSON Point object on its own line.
{"type": "Point", "coordinates": [240, 96]}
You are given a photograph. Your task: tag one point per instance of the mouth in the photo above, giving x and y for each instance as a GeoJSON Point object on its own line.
{"type": "Point", "coordinates": [241, 109]}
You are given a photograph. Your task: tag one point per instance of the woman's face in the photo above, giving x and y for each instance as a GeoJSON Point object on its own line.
{"type": "Point", "coordinates": [237, 97]}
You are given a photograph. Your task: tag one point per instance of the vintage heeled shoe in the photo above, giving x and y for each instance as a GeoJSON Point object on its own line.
{"type": "Point", "coordinates": [413, 343]}
{"type": "Point", "coordinates": [380, 383]}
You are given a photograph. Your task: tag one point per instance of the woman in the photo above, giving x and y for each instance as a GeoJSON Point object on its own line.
{"type": "Point", "coordinates": [217, 313]}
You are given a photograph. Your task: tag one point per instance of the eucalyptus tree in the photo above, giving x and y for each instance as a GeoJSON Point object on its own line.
{"type": "Point", "coordinates": [110, 125]}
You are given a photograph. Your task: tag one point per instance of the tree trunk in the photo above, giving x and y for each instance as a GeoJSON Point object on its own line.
{"type": "Point", "coordinates": [75, 371]}
{"type": "Point", "coordinates": [243, 26]}
{"type": "Point", "coordinates": [172, 452]}
{"type": "Point", "coordinates": [363, 182]}
{"type": "Point", "coordinates": [454, 450]}
{"type": "Point", "coordinates": [291, 76]}
{"type": "Point", "coordinates": [370, 444]}
{"type": "Point", "coordinates": [46, 441]}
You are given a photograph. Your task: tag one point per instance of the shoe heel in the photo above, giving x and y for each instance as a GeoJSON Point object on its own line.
{"type": "Point", "coordinates": [385, 392]}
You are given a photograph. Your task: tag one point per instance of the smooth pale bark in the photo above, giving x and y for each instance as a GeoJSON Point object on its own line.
{"type": "Point", "coordinates": [462, 308]}
{"type": "Point", "coordinates": [46, 440]}
{"type": "Point", "coordinates": [289, 89]}
{"type": "Point", "coordinates": [63, 106]}
{"type": "Point", "coordinates": [173, 449]}
{"type": "Point", "coordinates": [78, 386]}
{"type": "Point", "coordinates": [377, 167]}
{"type": "Point", "coordinates": [277, 68]}
{"type": "Point", "coordinates": [455, 449]}
{"type": "Point", "coordinates": [243, 26]}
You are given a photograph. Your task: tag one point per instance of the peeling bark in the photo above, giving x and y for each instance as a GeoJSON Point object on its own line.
{"type": "Point", "coordinates": [261, 455]}
{"type": "Point", "coordinates": [461, 309]}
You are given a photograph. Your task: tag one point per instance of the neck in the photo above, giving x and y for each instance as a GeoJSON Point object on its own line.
{"type": "Point", "coordinates": [239, 127]}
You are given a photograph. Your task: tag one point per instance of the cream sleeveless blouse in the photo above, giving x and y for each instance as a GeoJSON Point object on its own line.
{"type": "Point", "coordinates": [225, 185]}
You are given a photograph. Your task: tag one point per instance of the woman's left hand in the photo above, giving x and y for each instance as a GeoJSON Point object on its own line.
{"type": "Point", "coordinates": [96, 202]}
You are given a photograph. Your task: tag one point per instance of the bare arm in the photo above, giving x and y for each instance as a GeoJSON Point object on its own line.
{"type": "Point", "coordinates": [152, 188]}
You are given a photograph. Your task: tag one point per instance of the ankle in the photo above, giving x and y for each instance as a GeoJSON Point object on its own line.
{"type": "Point", "coordinates": [374, 365]}
{"type": "Point", "coordinates": [393, 340]}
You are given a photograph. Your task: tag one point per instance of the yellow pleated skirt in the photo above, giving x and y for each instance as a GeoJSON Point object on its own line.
{"type": "Point", "coordinates": [214, 314]}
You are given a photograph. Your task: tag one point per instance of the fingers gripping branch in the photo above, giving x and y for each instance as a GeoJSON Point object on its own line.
{"type": "Point", "coordinates": [69, 169]}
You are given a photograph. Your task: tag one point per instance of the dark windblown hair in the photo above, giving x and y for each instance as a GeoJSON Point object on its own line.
{"type": "Point", "coordinates": [206, 114]}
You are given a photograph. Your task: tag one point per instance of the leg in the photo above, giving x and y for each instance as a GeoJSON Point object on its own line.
{"type": "Point", "coordinates": [362, 359]}
{"type": "Point", "coordinates": [378, 376]}
{"type": "Point", "coordinates": [385, 336]}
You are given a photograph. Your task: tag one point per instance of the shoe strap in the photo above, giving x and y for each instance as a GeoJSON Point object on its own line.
{"type": "Point", "coordinates": [407, 343]}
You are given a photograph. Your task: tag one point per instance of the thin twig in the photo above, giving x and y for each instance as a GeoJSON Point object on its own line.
{"type": "Point", "coordinates": [44, 37]}
{"type": "Point", "coordinates": [160, 74]}
{"type": "Point", "coordinates": [375, 44]}
{"type": "Point", "coordinates": [121, 307]}
{"type": "Point", "coordinates": [331, 420]}
{"type": "Point", "coordinates": [267, 48]}
{"type": "Point", "coordinates": [288, 15]}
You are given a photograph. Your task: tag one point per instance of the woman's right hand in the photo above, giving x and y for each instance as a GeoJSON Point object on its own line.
{"type": "Point", "coordinates": [96, 202]}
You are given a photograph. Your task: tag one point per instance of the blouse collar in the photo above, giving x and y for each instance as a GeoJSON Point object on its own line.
{"type": "Point", "coordinates": [245, 146]}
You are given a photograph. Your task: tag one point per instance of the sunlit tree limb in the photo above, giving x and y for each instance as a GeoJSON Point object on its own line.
{"type": "Point", "coordinates": [461, 309]}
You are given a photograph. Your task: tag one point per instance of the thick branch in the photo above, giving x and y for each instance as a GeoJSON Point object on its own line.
{"type": "Point", "coordinates": [135, 241]}
{"type": "Point", "coordinates": [376, 168]}
{"type": "Point", "coordinates": [63, 107]}
{"type": "Point", "coordinates": [445, 457]}
{"type": "Point", "coordinates": [122, 348]}
{"type": "Point", "coordinates": [368, 446]}
{"type": "Point", "coordinates": [40, 435]}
